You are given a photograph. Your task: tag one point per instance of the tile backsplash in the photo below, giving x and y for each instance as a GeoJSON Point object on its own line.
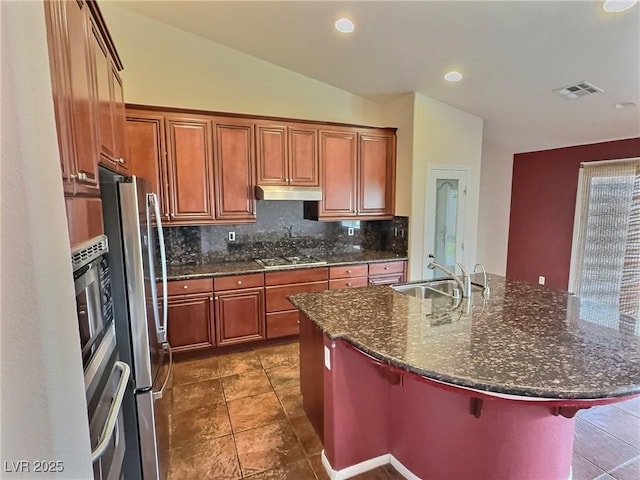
{"type": "Point", "coordinates": [280, 229]}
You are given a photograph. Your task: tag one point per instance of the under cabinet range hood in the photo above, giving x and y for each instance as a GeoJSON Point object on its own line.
{"type": "Point", "coordinates": [284, 192]}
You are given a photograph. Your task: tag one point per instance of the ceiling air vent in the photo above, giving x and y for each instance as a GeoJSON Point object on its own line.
{"type": "Point", "coordinates": [576, 90]}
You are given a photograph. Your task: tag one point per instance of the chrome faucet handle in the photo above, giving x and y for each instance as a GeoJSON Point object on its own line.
{"type": "Point", "coordinates": [485, 283]}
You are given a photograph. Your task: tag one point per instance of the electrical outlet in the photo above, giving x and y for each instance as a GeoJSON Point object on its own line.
{"type": "Point", "coordinates": [350, 231]}
{"type": "Point", "coordinates": [232, 236]}
{"type": "Point", "coordinates": [541, 280]}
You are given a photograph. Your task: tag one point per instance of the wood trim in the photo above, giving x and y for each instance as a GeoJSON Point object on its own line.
{"type": "Point", "coordinates": [248, 116]}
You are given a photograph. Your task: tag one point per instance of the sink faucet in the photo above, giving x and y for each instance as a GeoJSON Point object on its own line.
{"type": "Point", "coordinates": [464, 284]}
{"type": "Point", "coordinates": [485, 283]}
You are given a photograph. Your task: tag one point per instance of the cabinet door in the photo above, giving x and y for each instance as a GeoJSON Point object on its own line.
{"type": "Point", "coordinates": [303, 156]}
{"type": "Point", "coordinates": [338, 161]}
{"type": "Point", "coordinates": [235, 177]}
{"type": "Point", "coordinates": [118, 114]}
{"type": "Point", "coordinates": [84, 219]}
{"type": "Point", "coordinates": [146, 153]}
{"type": "Point", "coordinates": [272, 164]}
{"type": "Point", "coordinates": [102, 96]}
{"type": "Point", "coordinates": [82, 114]}
{"type": "Point", "coordinates": [376, 175]}
{"type": "Point", "coordinates": [61, 89]}
{"type": "Point", "coordinates": [190, 322]}
{"type": "Point", "coordinates": [190, 168]}
{"type": "Point", "coordinates": [240, 316]}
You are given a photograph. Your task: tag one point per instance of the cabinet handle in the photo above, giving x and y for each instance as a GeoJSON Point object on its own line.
{"type": "Point", "coordinates": [73, 176]}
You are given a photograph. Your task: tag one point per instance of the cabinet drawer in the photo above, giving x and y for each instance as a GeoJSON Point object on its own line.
{"type": "Point", "coordinates": [277, 296]}
{"type": "Point", "coordinates": [235, 282]}
{"type": "Point", "coordinates": [385, 268]}
{"type": "Point", "coordinates": [347, 283]}
{"type": "Point", "coordinates": [282, 324]}
{"type": "Point", "coordinates": [387, 280]}
{"type": "Point", "coordinates": [182, 287]}
{"type": "Point", "coordinates": [348, 271]}
{"type": "Point", "coordinates": [296, 276]}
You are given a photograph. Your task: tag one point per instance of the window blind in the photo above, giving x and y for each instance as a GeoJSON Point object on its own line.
{"type": "Point", "coordinates": [605, 267]}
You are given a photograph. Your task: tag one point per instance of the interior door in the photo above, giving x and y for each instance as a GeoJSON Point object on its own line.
{"type": "Point", "coordinates": [446, 218]}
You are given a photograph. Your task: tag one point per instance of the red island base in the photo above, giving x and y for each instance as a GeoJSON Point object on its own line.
{"type": "Point", "coordinates": [372, 414]}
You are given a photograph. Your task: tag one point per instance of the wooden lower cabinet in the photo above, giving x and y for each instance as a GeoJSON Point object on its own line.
{"type": "Point", "coordinates": [387, 273]}
{"type": "Point", "coordinates": [240, 316]}
{"type": "Point", "coordinates": [281, 314]}
{"type": "Point", "coordinates": [190, 322]}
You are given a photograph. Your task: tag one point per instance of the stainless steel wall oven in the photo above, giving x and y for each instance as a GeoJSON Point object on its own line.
{"type": "Point", "coordinates": [105, 376]}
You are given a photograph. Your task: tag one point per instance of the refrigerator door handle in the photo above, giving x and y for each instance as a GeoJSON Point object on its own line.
{"type": "Point", "coordinates": [112, 417]}
{"type": "Point", "coordinates": [162, 328]}
{"type": "Point", "coordinates": [158, 395]}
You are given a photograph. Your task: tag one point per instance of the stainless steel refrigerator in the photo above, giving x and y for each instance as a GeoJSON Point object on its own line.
{"type": "Point", "coordinates": [134, 228]}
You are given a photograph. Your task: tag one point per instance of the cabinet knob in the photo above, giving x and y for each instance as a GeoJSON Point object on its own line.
{"type": "Point", "coordinates": [73, 176]}
{"type": "Point", "coordinates": [121, 160]}
{"type": "Point", "coordinates": [348, 284]}
{"type": "Point", "coordinates": [239, 282]}
{"type": "Point", "coordinates": [185, 286]}
{"type": "Point", "coordinates": [386, 268]}
{"type": "Point", "coordinates": [211, 298]}
{"type": "Point", "coordinates": [348, 271]}
{"type": "Point", "coordinates": [215, 298]}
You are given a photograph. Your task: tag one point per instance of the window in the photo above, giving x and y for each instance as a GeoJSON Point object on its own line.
{"type": "Point", "coordinates": [605, 261]}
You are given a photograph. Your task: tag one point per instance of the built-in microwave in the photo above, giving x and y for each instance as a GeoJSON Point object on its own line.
{"type": "Point", "coordinates": [92, 283]}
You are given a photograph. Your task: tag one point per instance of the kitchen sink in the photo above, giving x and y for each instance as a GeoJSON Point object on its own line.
{"type": "Point", "coordinates": [433, 289]}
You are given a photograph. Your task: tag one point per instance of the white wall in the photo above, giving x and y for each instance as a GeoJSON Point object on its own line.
{"type": "Point", "coordinates": [495, 205]}
{"type": "Point", "coordinates": [164, 65]}
{"type": "Point", "coordinates": [399, 113]}
{"type": "Point", "coordinates": [42, 389]}
{"type": "Point", "coordinates": [442, 135]}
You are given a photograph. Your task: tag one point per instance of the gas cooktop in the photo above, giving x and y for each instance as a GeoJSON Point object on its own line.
{"type": "Point", "coordinates": [285, 262]}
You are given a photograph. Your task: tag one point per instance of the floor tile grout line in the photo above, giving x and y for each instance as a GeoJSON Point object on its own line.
{"type": "Point", "coordinates": [611, 434]}
{"type": "Point", "coordinates": [589, 461]}
{"type": "Point", "coordinates": [622, 465]}
{"type": "Point", "coordinates": [633, 414]}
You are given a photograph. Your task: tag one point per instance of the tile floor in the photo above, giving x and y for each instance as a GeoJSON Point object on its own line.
{"type": "Point", "coordinates": [240, 415]}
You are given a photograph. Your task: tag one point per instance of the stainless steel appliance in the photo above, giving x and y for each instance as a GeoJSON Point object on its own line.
{"type": "Point", "coordinates": [285, 262]}
{"type": "Point", "coordinates": [131, 221]}
{"type": "Point", "coordinates": [106, 378]}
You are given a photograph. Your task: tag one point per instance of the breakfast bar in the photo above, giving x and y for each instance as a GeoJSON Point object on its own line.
{"type": "Point", "coordinates": [481, 387]}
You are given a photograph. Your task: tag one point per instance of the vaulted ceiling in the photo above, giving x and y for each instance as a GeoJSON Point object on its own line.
{"type": "Point", "coordinates": [512, 55]}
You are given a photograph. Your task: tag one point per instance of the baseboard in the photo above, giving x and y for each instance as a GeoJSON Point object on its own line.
{"type": "Point", "coordinates": [372, 463]}
{"type": "Point", "coordinates": [353, 470]}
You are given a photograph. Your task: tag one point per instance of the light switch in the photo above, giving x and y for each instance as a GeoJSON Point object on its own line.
{"type": "Point", "coordinates": [327, 358]}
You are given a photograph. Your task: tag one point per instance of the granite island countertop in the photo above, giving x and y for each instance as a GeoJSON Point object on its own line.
{"type": "Point", "coordinates": [217, 269]}
{"type": "Point", "coordinates": [523, 340]}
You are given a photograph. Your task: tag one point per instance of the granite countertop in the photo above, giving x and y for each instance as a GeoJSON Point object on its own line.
{"type": "Point", "coordinates": [187, 272]}
{"type": "Point", "coordinates": [524, 340]}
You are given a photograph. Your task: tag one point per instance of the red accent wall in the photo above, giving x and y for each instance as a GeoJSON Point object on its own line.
{"type": "Point", "coordinates": [543, 199]}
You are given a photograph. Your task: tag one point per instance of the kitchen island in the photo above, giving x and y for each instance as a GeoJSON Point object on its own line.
{"type": "Point", "coordinates": [485, 388]}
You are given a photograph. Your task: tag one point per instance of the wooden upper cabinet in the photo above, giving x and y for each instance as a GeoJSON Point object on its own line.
{"type": "Point", "coordinates": [303, 156]}
{"type": "Point", "coordinates": [376, 174]}
{"type": "Point", "coordinates": [272, 155]}
{"type": "Point", "coordinates": [102, 92]}
{"type": "Point", "coordinates": [61, 90]}
{"type": "Point", "coordinates": [146, 153]}
{"type": "Point", "coordinates": [287, 154]}
{"type": "Point", "coordinates": [79, 69]}
{"type": "Point", "coordinates": [338, 166]}
{"type": "Point", "coordinates": [190, 169]}
{"type": "Point", "coordinates": [234, 163]}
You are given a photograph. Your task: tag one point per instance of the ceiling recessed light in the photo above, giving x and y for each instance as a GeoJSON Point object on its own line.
{"type": "Point", "coordinates": [453, 76]}
{"type": "Point", "coordinates": [623, 105]}
{"type": "Point", "coordinates": [616, 6]}
{"type": "Point", "coordinates": [344, 25]}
